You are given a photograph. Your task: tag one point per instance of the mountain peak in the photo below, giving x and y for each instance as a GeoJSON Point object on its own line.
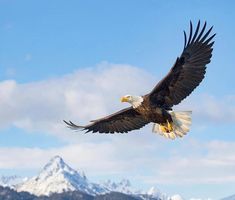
{"type": "Point", "coordinates": [57, 159]}
{"type": "Point", "coordinates": [57, 177]}
{"type": "Point", "coordinates": [153, 191]}
{"type": "Point", "coordinates": [123, 186]}
{"type": "Point", "coordinates": [156, 193]}
{"type": "Point", "coordinates": [55, 163]}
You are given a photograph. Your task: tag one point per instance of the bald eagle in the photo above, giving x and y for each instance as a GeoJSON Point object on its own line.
{"type": "Point", "coordinates": [156, 107]}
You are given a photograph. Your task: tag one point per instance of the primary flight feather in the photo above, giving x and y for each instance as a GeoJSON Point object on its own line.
{"type": "Point", "coordinates": [156, 107]}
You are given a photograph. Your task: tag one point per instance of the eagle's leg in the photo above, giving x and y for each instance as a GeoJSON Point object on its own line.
{"type": "Point", "coordinates": [163, 128]}
{"type": "Point", "coordinates": [169, 126]}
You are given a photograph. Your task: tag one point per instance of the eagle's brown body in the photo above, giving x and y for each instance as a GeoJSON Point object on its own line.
{"type": "Point", "coordinates": [153, 113]}
{"type": "Point", "coordinates": [185, 75]}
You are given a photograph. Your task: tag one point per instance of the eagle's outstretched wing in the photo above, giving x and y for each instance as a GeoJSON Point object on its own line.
{"type": "Point", "coordinates": [188, 70]}
{"type": "Point", "coordinates": [121, 122]}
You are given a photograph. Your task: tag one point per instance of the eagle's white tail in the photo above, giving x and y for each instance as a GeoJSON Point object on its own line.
{"type": "Point", "coordinates": [178, 128]}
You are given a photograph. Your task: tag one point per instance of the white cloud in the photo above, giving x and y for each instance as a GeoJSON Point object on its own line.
{"type": "Point", "coordinates": [80, 96]}
{"type": "Point", "coordinates": [208, 108]}
{"type": "Point", "coordinates": [105, 157]}
{"type": "Point", "coordinates": [213, 164]}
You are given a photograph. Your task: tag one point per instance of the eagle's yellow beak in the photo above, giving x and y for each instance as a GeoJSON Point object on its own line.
{"type": "Point", "coordinates": [124, 99]}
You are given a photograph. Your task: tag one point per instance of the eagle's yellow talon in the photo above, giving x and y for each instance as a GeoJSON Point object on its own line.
{"type": "Point", "coordinates": [169, 126]}
{"type": "Point", "coordinates": [163, 128]}
{"type": "Point", "coordinates": [166, 127]}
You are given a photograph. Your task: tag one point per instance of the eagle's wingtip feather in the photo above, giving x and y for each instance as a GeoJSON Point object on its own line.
{"type": "Point", "coordinates": [73, 126]}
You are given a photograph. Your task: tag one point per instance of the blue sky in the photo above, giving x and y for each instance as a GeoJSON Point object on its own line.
{"type": "Point", "coordinates": [52, 53]}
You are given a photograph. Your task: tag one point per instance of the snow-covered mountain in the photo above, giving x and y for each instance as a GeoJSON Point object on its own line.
{"type": "Point", "coordinates": [124, 186]}
{"type": "Point", "coordinates": [58, 177]}
{"type": "Point", "coordinates": [153, 192]}
{"type": "Point", "coordinates": [11, 181]}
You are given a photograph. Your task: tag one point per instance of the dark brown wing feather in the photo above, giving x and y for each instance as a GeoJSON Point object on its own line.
{"type": "Point", "coordinates": [121, 122]}
{"type": "Point", "coordinates": [188, 70]}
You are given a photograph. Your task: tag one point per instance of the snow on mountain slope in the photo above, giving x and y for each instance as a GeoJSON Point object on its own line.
{"type": "Point", "coordinates": [153, 192]}
{"type": "Point", "coordinates": [11, 181]}
{"type": "Point", "coordinates": [57, 177]}
{"type": "Point", "coordinates": [176, 197]}
{"type": "Point", "coordinates": [124, 186]}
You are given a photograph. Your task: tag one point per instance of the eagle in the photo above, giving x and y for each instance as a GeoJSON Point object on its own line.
{"type": "Point", "coordinates": [156, 107]}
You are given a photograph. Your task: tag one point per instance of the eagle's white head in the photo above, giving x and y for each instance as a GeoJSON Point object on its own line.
{"type": "Point", "coordinates": [135, 101]}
